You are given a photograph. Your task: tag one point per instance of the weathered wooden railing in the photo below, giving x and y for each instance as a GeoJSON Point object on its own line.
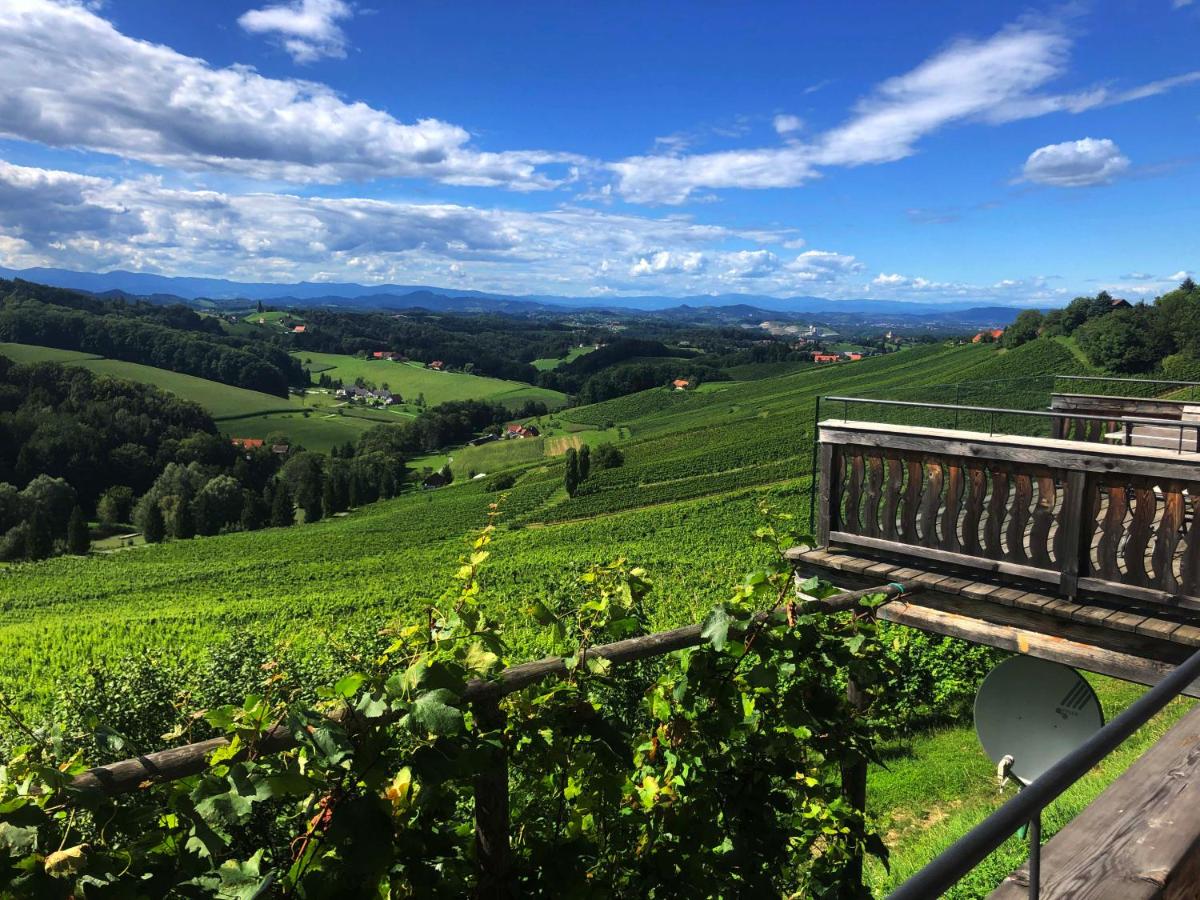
{"type": "Point", "coordinates": [492, 841]}
{"type": "Point", "coordinates": [1093, 417]}
{"type": "Point", "coordinates": [1086, 518]}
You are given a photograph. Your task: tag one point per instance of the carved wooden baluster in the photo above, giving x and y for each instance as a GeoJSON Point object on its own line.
{"type": "Point", "coordinates": [1145, 505]}
{"type": "Point", "coordinates": [1088, 527]}
{"type": "Point", "coordinates": [997, 507]}
{"type": "Point", "coordinates": [854, 493]}
{"type": "Point", "coordinates": [1043, 518]}
{"type": "Point", "coordinates": [840, 481]}
{"type": "Point", "coordinates": [954, 492]}
{"type": "Point", "coordinates": [1080, 428]}
{"type": "Point", "coordinates": [1167, 540]}
{"type": "Point", "coordinates": [1189, 566]}
{"type": "Point", "coordinates": [912, 501]}
{"type": "Point", "coordinates": [891, 503]}
{"type": "Point", "coordinates": [977, 482]}
{"type": "Point", "coordinates": [1014, 536]}
{"type": "Point", "coordinates": [931, 502]}
{"type": "Point", "coordinates": [1113, 529]}
{"type": "Point", "coordinates": [873, 496]}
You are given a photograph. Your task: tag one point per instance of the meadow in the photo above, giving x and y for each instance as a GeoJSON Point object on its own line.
{"type": "Point", "coordinates": [412, 379]}
{"type": "Point", "coordinates": [684, 505]}
{"type": "Point", "coordinates": [547, 363]}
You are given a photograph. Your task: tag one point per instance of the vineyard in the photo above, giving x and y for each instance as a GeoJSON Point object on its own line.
{"type": "Point", "coordinates": [697, 466]}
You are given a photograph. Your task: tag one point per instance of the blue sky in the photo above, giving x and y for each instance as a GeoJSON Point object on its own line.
{"type": "Point", "coordinates": [932, 151]}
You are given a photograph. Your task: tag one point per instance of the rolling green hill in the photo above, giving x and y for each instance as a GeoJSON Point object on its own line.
{"type": "Point", "coordinates": [684, 506]}
{"type": "Point", "coordinates": [410, 379]}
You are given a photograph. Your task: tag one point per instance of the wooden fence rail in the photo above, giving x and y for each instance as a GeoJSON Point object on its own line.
{"type": "Point", "coordinates": [491, 784]}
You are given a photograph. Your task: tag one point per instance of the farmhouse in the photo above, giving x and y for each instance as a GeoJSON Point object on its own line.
{"type": "Point", "coordinates": [437, 365]}
{"type": "Point", "coordinates": [299, 329]}
{"type": "Point", "coordinates": [995, 334]}
{"type": "Point", "coordinates": [246, 443]}
{"type": "Point", "coordinates": [826, 357]}
{"type": "Point", "coordinates": [436, 480]}
{"type": "Point", "coordinates": [680, 384]}
{"type": "Point", "coordinates": [853, 357]}
{"type": "Point", "coordinates": [516, 430]}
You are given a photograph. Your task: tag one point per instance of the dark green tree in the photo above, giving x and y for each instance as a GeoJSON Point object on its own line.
{"type": "Point", "coordinates": [255, 512]}
{"type": "Point", "coordinates": [585, 462]}
{"type": "Point", "coordinates": [79, 540]}
{"type": "Point", "coordinates": [1025, 328]}
{"type": "Point", "coordinates": [40, 542]}
{"type": "Point", "coordinates": [571, 476]}
{"type": "Point", "coordinates": [283, 510]}
{"type": "Point", "coordinates": [315, 510]}
{"type": "Point", "coordinates": [154, 526]}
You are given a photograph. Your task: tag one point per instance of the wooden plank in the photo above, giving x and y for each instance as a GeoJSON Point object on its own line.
{"type": "Point", "coordinates": [1189, 565]}
{"type": "Point", "coordinates": [1167, 539]}
{"type": "Point", "coordinates": [1112, 531]}
{"type": "Point", "coordinates": [1069, 549]}
{"type": "Point", "coordinates": [852, 515]}
{"type": "Point", "coordinates": [997, 509]}
{"type": "Point", "coordinates": [1014, 535]}
{"type": "Point", "coordinates": [873, 495]}
{"type": "Point", "coordinates": [1145, 506]}
{"type": "Point", "coordinates": [1043, 518]}
{"type": "Point", "coordinates": [1139, 840]}
{"type": "Point", "coordinates": [827, 496]}
{"type": "Point", "coordinates": [973, 514]}
{"type": "Point", "coordinates": [1132, 592]}
{"type": "Point", "coordinates": [929, 505]}
{"type": "Point", "coordinates": [891, 505]}
{"type": "Point", "coordinates": [950, 513]}
{"type": "Point", "coordinates": [958, 559]}
{"type": "Point", "coordinates": [912, 501]}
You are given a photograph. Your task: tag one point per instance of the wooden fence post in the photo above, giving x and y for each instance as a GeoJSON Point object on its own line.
{"type": "Point", "coordinates": [854, 781]}
{"type": "Point", "coordinates": [491, 810]}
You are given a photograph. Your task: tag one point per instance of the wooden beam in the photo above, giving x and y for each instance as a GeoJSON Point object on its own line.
{"type": "Point", "coordinates": [180, 762]}
{"type": "Point", "coordinates": [980, 563]}
{"type": "Point", "coordinates": [1139, 840]}
{"type": "Point", "coordinates": [1127, 655]}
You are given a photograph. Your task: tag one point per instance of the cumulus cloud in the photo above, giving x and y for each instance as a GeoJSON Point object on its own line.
{"type": "Point", "coordinates": [307, 29]}
{"type": "Point", "coordinates": [786, 123]}
{"type": "Point", "coordinates": [993, 81]}
{"type": "Point", "coordinates": [1076, 163]}
{"type": "Point", "coordinates": [61, 218]}
{"type": "Point", "coordinates": [68, 78]}
{"type": "Point", "coordinates": [885, 279]}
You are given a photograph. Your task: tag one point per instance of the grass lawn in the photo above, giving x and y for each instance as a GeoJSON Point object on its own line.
{"type": "Point", "coordinates": [271, 318]}
{"type": "Point", "coordinates": [545, 364]}
{"type": "Point", "coordinates": [221, 400]}
{"type": "Point", "coordinates": [30, 353]}
{"type": "Point", "coordinates": [318, 431]}
{"type": "Point", "coordinates": [411, 379]}
{"type": "Point", "coordinates": [933, 789]}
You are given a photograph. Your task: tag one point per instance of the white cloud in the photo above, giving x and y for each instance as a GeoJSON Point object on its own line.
{"type": "Point", "coordinates": [1076, 163]}
{"type": "Point", "coordinates": [1180, 4]}
{"type": "Point", "coordinates": [69, 79]}
{"type": "Point", "coordinates": [666, 263]}
{"type": "Point", "coordinates": [785, 123]}
{"type": "Point", "coordinates": [885, 279]}
{"type": "Point", "coordinates": [1180, 275]}
{"type": "Point", "coordinates": [307, 29]}
{"type": "Point", "coordinates": [823, 265]}
{"type": "Point", "coordinates": [990, 81]}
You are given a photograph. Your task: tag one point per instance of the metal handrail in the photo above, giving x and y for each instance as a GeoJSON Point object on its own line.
{"type": "Point", "coordinates": [1038, 413]}
{"type": "Point", "coordinates": [972, 848]}
{"type": "Point", "coordinates": [1128, 380]}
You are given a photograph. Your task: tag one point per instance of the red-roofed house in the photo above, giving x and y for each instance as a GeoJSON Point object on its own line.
{"type": "Point", "coordinates": [437, 364]}
{"type": "Point", "coordinates": [853, 357]}
{"type": "Point", "coordinates": [681, 384]}
{"type": "Point", "coordinates": [246, 443]}
{"type": "Point", "coordinates": [995, 334]}
{"type": "Point", "coordinates": [299, 329]}
{"type": "Point", "coordinates": [826, 358]}
{"type": "Point", "coordinates": [517, 430]}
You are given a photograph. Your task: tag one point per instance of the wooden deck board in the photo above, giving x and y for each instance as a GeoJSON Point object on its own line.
{"type": "Point", "coordinates": [1139, 840]}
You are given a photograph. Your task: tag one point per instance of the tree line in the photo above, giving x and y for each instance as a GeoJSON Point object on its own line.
{"type": "Point", "coordinates": [74, 444]}
{"type": "Point", "coordinates": [1125, 338]}
{"type": "Point", "coordinates": [175, 339]}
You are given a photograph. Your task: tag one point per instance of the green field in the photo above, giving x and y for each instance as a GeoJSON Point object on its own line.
{"type": "Point", "coordinates": [684, 506]}
{"type": "Point", "coordinates": [545, 364]}
{"type": "Point", "coordinates": [411, 379]}
{"type": "Point", "coordinates": [221, 400]}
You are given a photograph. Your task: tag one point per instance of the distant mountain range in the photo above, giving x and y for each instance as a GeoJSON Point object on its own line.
{"type": "Point", "coordinates": [727, 307]}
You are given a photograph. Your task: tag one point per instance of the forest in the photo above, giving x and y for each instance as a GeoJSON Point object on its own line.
{"type": "Point", "coordinates": [169, 338]}
{"type": "Point", "coordinates": [1159, 337]}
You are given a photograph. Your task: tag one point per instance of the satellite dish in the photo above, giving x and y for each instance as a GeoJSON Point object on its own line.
{"type": "Point", "coordinates": [1036, 712]}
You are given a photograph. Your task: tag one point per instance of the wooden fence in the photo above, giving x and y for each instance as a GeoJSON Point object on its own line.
{"type": "Point", "coordinates": [1118, 521]}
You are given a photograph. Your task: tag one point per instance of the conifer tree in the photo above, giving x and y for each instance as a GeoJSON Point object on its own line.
{"type": "Point", "coordinates": [154, 529]}
{"type": "Point", "coordinates": [283, 512]}
{"type": "Point", "coordinates": [79, 541]}
{"type": "Point", "coordinates": [571, 478]}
